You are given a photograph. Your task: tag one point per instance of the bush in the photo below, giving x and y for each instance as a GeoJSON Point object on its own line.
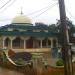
{"type": "Point", "coordinates": [20, 61]}
{"type": "Point", "coordinates": [60, 62]}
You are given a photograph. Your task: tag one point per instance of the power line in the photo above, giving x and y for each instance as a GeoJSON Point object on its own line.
{"type": "Point", "coordinates": [45, 10]}
{"type": "Point", "coordinates": [5, 4]}
{"type": "Point", "coordinates": [8, 6]}
{"type": "Point", "coordinates": [39, 10]}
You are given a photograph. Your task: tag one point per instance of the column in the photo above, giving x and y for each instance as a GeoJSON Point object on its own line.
{"type": "Point", "coordinates": [33, 44]}
{"type": "Point", "coordinates": [47, 43]}
{"type": "Point", "coordinates": [41, 39]}
{"type": "Point", "coordinates": [3, 42]}
{"type": "Point", "coordinates": [41, 43]}
{"type": "Point", "coordinates": [11, 44]}
{"type": "Point", "coordinates": [51, 42]}
{"type": "Point", "coordinates": [25, 38]}
{"type": "Point", "coordinates": [24, 44]}
{"type": "Point", "coordinates": [56, 42]}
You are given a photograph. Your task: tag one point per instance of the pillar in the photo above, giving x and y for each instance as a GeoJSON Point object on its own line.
{"type": "Point", "coordinates": [25, 38]}
{"type": "Point", "coordinates": [56, 42]}
{"type": "Point", "coordinates": [11, 44]}
{"type": "Point", "coordinates": [51, 42]}
{"type": "Point", "coordinates": [24, 44]}
{"type": "Point", "coordinates": [41, 43]}
{"type": "Point", "coordinates": [47, 43]}
{"type": "Point", "coordinates": [3, 42]}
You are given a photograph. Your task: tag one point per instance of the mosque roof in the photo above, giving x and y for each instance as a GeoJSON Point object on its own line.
{"type": "Point", "coordinates": [12, 30]}
{"type": "Point", "coordinates": [16, 33]}
{"type": "Point", "coordinates": [22, 26]}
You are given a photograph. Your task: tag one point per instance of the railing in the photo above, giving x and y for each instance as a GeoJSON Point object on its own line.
{"type": "Point", "coordinates": [37, 50]}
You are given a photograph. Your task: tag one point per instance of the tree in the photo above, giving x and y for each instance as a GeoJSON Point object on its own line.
{"type": "Point", "coordinates": [53, 28]}
{"type": "Point", "coordinates": [40, 24]}
{"type": "Point", "coordinates": [71, 30]}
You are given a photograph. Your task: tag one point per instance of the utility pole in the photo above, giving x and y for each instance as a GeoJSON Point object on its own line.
{"type": "Point", "coordinates": [66, 51]}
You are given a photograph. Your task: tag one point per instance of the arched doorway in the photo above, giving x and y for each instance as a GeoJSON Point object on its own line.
{"type": "Point", "coordinates": [29, 43]}
{"type": "Point", "coordinates": [7, 42]}
{"type": "Point", "coordinates": [49, 43]}
{"type": "Point", "coordinates": [54, 43]}
{"type": "Point", "coordinates": [18, 43]}
{"type": "Point", "coordinates": [44, 43]}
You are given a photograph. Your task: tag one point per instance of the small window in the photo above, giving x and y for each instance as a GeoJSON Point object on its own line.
{"type": "Point", "coordinates": [15, 30]}
{"type": "Point", "coordinates": [29, 30]}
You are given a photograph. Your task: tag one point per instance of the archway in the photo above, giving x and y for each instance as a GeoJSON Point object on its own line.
{"type": "Point", "coordinates": [18, 43]}
{"type": "Point", "coordinates": [44, 43]}
{"type": "Point", "coordinates": [7, 42]}
{"type": "Point", "coordinates": [29, 43]}
{"type": "Point", "coordinates": [54, 43]}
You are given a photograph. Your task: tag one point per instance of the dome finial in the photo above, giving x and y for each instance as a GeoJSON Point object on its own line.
{"type": "Point", "coordinates": [21, 18]}
{"type": "Point", "coordinates": [21, 11]}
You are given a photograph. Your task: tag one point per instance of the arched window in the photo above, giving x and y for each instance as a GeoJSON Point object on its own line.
{"type": "Point", "coordinates": [29, 42]}
{"type": "Point", "coordinates": [7, 42]}
{"type": "Point", "coordinates": [18, 42]}
{"type": "Point", "coordinates": [54, 42]}
{"type": "Point", "coordinates": [49, 43]}
{"type": "Point", "coordinates": [44, 42]}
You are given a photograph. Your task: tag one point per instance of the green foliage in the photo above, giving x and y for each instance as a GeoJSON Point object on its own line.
{"type": "Point", "coordinates": [71, 31]}
{"type": "Point", "coordinates": [60, 62]}
{"type": "Point", "coordinates": [53, 28]}
{"type": "Point", "coordinates": [41, 24]}
{"type": "Point", "coordinates": [20, 61]}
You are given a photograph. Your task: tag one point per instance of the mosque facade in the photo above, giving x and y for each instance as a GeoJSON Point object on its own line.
{"type": "Point", "coordinates": [23, 36]}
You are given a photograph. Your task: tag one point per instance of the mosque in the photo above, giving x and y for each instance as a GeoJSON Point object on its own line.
{"type": "Point", "coordinates": [23, 36]}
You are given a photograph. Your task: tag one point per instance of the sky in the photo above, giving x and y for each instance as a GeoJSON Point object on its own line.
{"type": "Point", "coordinates": [46, 11]}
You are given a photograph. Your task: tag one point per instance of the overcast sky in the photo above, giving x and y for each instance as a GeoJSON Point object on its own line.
{"type": "Point", "coordinates": [49, 15]}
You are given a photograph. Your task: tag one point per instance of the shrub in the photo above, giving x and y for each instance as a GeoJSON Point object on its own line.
{"type": "Point", "coordinates": [20, 61]}
{"type": "Point", "coordinates": [60, 62]}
